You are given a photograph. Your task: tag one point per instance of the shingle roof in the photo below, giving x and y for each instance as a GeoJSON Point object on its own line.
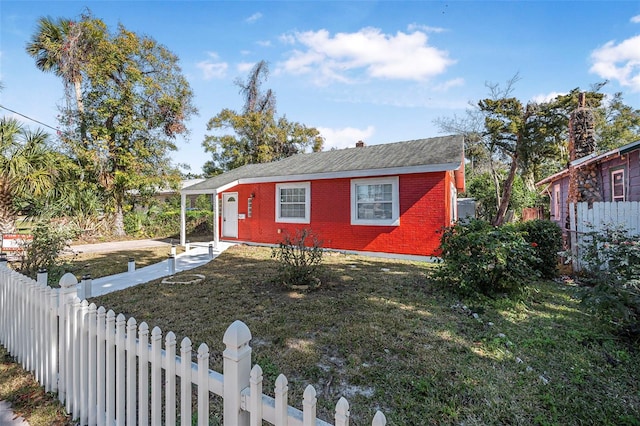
{"type": "Point", "coordinates": [590, 159]}
{"type": "Point", "coordinates": [433, 154]}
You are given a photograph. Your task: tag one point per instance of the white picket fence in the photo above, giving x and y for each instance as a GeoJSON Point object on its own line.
{"type": "Point", "coordinates": [108, 370]}
{"type": "Point", "coordinates": [584, 218]}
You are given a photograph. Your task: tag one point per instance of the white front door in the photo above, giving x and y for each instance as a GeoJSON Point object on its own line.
{"type": "Point", "coordinates": [230, 214]}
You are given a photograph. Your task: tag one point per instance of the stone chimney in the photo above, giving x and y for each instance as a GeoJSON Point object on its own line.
{"type": "Point", "coordinates": [360, 144]}
{"type": "Point", "coordinates": [584, 183]}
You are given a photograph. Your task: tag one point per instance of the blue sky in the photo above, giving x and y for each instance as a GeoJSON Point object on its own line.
{"type": "Point", "coordinates": [374, 71]}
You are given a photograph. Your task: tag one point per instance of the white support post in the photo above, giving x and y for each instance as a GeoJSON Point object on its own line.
{"type": "Point", "coordinates": [131, 266]}
{"type": "Point", "coordinates": [85, 287]}
{"type": "Point", "coordinates": [216, 215]}
{"type": "Point", "coordinates": [42, 277]}
{"type": "Point", "coordinates": [183, 218]}
{"type": "Point", "coordinates": [236, 372]}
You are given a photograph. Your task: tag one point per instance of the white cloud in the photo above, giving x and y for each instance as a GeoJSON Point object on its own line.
{"type": "Point", "coordinates": [345, 137]}
{"type": "Point", "coordinates": [620, 62]}
{"type": "Point", "coordinates": [245, 66]}
{"type": "Point", "coordinates": [253, 18]}
{"type": "Point", "coordinates": [427, 29]}
{"type": "Point", "coordinates": [212, 69]}
{"type": "Point", "coordinates": [264, 43]}
{"type": "Point", "coordinates": [635, 19]}
{"type": "Point", "coordinates": [381, 56]}
{"type": "Point", "coordinates": [456, 82]}
{"type": "Point", "coordinates": [546, 97]}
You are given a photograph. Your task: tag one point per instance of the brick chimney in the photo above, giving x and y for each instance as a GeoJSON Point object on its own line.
{"type": "Point", "coordinates": [584, 184]}
{"type": "Point", "coordinates": [360, 144]}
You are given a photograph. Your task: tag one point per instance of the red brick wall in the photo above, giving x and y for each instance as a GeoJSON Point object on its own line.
{"type": "Point", "coordinates": [424, 210]}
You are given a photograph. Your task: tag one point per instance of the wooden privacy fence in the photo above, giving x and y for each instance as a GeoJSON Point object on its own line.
{"type": "Point", "coordinates": [584, 218]}
{"type": "Point", "coordinates": [108, 370]}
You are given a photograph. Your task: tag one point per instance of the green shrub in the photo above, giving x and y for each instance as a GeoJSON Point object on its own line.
{"type": "Point", "coordinates": [610, 261]}
{"type": "Point", "coordinates": [300, 259]}
{"type": "Point", "coordinates": [159, 223]}
{"type": "Point", "coordinates": [49, 241]}
{"type": "Point", "coordinates": [479, 258]}
{"type": "Point", "coordinates": [545, 237]}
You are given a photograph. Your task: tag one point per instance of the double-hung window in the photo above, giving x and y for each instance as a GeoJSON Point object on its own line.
{"type": "Point", "coordinates": [375, 202]}
{"type": "Point", "coordinates": [617, 185]}
{"type": "Point", "coordinates": [293, 201]}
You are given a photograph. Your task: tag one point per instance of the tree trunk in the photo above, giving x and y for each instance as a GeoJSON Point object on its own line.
{"type": "Point", "coordinates": [80, 104]}
{"type": "Point", "coordinates": [496, 182]}
{"type": "Point", "coordinates": [506, 192]}
{"type": "Point", "coordinates": [118, 221]}
{"type": "Point", "coordinates": [8, 214]}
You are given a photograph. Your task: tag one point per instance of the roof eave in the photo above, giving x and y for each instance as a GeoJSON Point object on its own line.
{"type": "Point", "coordinates": [427, 168]}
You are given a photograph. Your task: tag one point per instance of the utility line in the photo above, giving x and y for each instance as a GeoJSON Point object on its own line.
{"type": "Point", "coordinates": [29, 118]}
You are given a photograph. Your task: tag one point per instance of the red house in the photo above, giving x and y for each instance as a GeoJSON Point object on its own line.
{"type": "Point", "coordinates": [382, 199]}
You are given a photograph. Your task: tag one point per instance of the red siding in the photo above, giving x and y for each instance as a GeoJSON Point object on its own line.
{"type": "Point", "coordinates": [424, 210]}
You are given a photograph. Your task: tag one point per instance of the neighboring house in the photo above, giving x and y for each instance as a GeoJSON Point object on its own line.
{"type": "Point", "coordinates": [389, 198]}
{"type": "Point", "coordinates": [610, 177]}
{"type": "Point", "coordinates": [163, 195]}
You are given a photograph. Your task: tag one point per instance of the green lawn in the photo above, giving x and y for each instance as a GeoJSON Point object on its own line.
{"type": "Point", "coordinates": [381, 334]}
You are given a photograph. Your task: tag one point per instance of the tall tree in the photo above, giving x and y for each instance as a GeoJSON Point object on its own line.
{"type": "Point", "coordinates": [618, 124]}
{"type": "Point", "coordinates": [516, 136]}
{"type": "Point", "coordinates": [136, 102]}
{"type": "Point", "coordinates": [63, 46]}
{"type": "Point", "coordinates": [255, 135]}
{"type": "Point", "coordinates": [28, 168]}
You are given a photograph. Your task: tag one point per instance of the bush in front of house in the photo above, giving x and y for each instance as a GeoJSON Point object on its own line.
{"type": "Point", "coordinates": [610, 260]}
{"type": "Point", "coordinates": [50, 239]}
{"type": "Point", "coordinates": [159, 222]}
{"type": "Point", "coordinates": [545, 237]}
{"type": "Point", "coordinates": [299, 260]}
{"type": "Point", "coordinates": [478, 258]}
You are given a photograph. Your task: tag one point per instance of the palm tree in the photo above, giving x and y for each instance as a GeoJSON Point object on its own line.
{"type": "Point", "coordinates": [27, 168]}
{"type": "Point", "coordinates": [61, 46]}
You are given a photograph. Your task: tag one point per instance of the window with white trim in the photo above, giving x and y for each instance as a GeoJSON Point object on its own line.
{"type": "Point", "coordinates": [293, 201]}
{"type": "Point", "coordinates": [617, 185]}
{"type": "Point", "coordinates": [375, 202]}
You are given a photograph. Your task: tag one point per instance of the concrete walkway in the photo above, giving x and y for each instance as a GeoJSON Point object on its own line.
{"type": "Point", "coordinates": [8, 417]}
{"type": "Point", "coordinates": [197, 255]}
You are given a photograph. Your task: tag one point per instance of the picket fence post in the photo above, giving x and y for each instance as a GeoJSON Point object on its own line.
{"type": "Point", "coordinates": [67, 293]}
{"type": "Point", "coordinates": [236, 372]}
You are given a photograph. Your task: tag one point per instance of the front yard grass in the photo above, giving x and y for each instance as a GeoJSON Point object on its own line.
{"type": "Point", "coordinates": [27, 397]}
{"type": "Point", "coordinates": [379, 333]}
